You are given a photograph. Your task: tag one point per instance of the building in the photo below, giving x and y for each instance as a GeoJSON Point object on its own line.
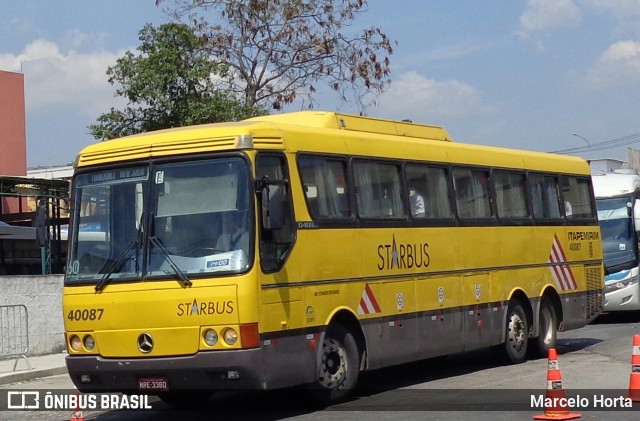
{"type": "Point", "coordinates": [60, 172]}
{"type": "Point", "coordinates": [13, 134]}
{"type": "Point", "coordinates": [34, 205]}
{"type": "Point", "coordinates": [605, 165]}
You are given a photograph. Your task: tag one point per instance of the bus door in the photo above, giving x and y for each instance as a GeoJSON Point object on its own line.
{"type": "Point", "coordinates": [281, 304]}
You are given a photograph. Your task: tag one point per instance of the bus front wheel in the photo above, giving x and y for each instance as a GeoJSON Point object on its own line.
{"type": "Point", "coordinates": [517, 335]}
{"type": "Point", "coordinates": [339, 366]}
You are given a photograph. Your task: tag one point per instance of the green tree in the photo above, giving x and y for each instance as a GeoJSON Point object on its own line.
{"type": "Point", "coordinates": [172, 82]}
{"type": "Point", "coordinates": [279, 50]}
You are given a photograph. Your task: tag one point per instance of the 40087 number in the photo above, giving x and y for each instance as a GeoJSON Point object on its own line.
{"type": "Point", "coordinates": [85, 314]}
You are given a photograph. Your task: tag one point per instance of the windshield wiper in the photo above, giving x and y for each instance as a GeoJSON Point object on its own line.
{"type": "Point", "coordinates": [118, 262]}
{"type": "Point", "coordinates": [186, 282]}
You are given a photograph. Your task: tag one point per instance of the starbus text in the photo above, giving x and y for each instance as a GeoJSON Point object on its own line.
{"type": "Point", "coordinates": [403, 256]}
{"type": "Point", "coordinates": [205, 308]}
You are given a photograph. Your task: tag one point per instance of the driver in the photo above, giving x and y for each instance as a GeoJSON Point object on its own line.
{"type": "Point", "coordinates": [233, 236]}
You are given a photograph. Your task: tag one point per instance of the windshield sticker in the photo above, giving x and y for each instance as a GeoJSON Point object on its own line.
{"type": "Point", "coordinates": [217, 263]}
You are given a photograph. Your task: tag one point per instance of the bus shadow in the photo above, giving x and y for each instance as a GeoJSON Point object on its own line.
{"type": "Point", "coordinates": [455, 365]}
{"type": "Point", "coordinates": [617, 317]}
{"type": "Point", "coordinates": [295, 402]}
{"type": "Point", "coordinates": [565, 346]}
{"type": "Point", "coordinates": [292, 402]}
{"type": "Point", "coordinates": [411, 374]}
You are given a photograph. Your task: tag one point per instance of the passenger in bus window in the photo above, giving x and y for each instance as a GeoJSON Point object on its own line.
{"type": "Point", "coordinates": [417, 203]}
{"type": "Point", "coordinates": [568, 209]}
{"type": "Point", "coordinates": [233, 236]}
{"type": "Point", "coordinates": [387, 204]}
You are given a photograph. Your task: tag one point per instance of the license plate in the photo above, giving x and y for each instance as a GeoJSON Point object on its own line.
{"type": "Point", "coordinates": [153, 383]}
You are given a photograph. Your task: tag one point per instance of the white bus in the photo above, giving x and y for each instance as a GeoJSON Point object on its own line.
{"type": "Point", "coordinates": [618, 201]}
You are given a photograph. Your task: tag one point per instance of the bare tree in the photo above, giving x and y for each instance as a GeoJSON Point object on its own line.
{"type": "Point", "coordinates": [280, 50]}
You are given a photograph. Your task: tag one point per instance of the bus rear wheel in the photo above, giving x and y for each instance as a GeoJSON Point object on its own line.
{"type": "Point", "coordinates": [548, 328]}
{"type": "Point", "coordinates": [517, 334]}
{"type": "Point", "coordinates": [339, 366]}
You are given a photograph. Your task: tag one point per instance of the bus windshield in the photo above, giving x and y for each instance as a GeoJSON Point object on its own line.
{"type": "Point", "coordinates": [179, 220]}
{"type": "Point", "coordinates": [618, 239]}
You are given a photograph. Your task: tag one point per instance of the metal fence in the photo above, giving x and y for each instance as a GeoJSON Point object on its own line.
{"type": "Point", "coordinates": [14, 333]}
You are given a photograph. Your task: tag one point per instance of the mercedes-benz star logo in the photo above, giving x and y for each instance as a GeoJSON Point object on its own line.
{"type": "Point", "coordinates": [145, 343]}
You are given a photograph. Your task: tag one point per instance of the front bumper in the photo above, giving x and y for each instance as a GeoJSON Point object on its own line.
{"type": "Point", "coordinates": [205, 370]}
{"type": "Point", "coordinates": [627, 298]}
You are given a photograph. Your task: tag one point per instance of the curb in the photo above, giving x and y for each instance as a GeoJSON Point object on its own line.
{"type": "Point", "coordinates": [24, 376]}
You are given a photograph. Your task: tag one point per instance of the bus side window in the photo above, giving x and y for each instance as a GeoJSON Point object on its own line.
{"type": "Point", "coordinates": [378, 190]}
{"type": "Point", "coordinates": [511, 199]}
{"type": "Point", "coordinates": [577, 197]}
{"type": "Point", "coordinates": [472, 193]}
{"type": "Point", "coordinates": [544, 196]}
{"type": "Point", "coordinates": [431, 184]}
{"type": "Point", "coordinates": [325, 187]}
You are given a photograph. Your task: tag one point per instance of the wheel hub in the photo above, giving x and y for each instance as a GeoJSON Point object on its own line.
{"type": "Point", "coordinates": [516, 332]}
{"type": "Point", "coordinates": [333, 367]}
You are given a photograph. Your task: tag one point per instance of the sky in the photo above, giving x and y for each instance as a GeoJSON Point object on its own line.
{"type": "Point", "coordinates": [544, 75]}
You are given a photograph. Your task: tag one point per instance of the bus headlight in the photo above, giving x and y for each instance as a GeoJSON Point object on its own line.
{"type": "Point", "coordinates": [210, 337]}
{"type": "Point", "coordinates": [230, 336]}
{"type": "Point", "coordinates": [618, 285]}
{"type": "Point", "coordinates": [75, 343]}
{"type": "Point", "coordinates": [89, 343]}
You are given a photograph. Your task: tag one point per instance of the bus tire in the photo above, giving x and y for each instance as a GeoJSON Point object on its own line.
{"type": "Point", "coordinates": [185, 399]}
{"type": "Point", "coordinates": [517, 334]}
{"type": "Point", "coordinates": [547, 329]}
{"type": "Point", "coordinates": [339, 366]}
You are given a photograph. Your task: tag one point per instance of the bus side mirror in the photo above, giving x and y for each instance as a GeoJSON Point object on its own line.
{"type": "Point", "coordinates": [636, 214]}
{"type": "Point", "coordinates": [272, 206]}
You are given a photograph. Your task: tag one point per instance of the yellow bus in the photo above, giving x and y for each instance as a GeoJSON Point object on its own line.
{"type": "Point", "coordinates": [305, 248]}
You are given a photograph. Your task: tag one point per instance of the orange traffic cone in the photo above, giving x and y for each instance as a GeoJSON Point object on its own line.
{"type": "Point", "coordinates": [634, 377]}
{"type": "Point", "coordinates": [557, 408]}
{"type": "Point", "coordinates": [76, 414]}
